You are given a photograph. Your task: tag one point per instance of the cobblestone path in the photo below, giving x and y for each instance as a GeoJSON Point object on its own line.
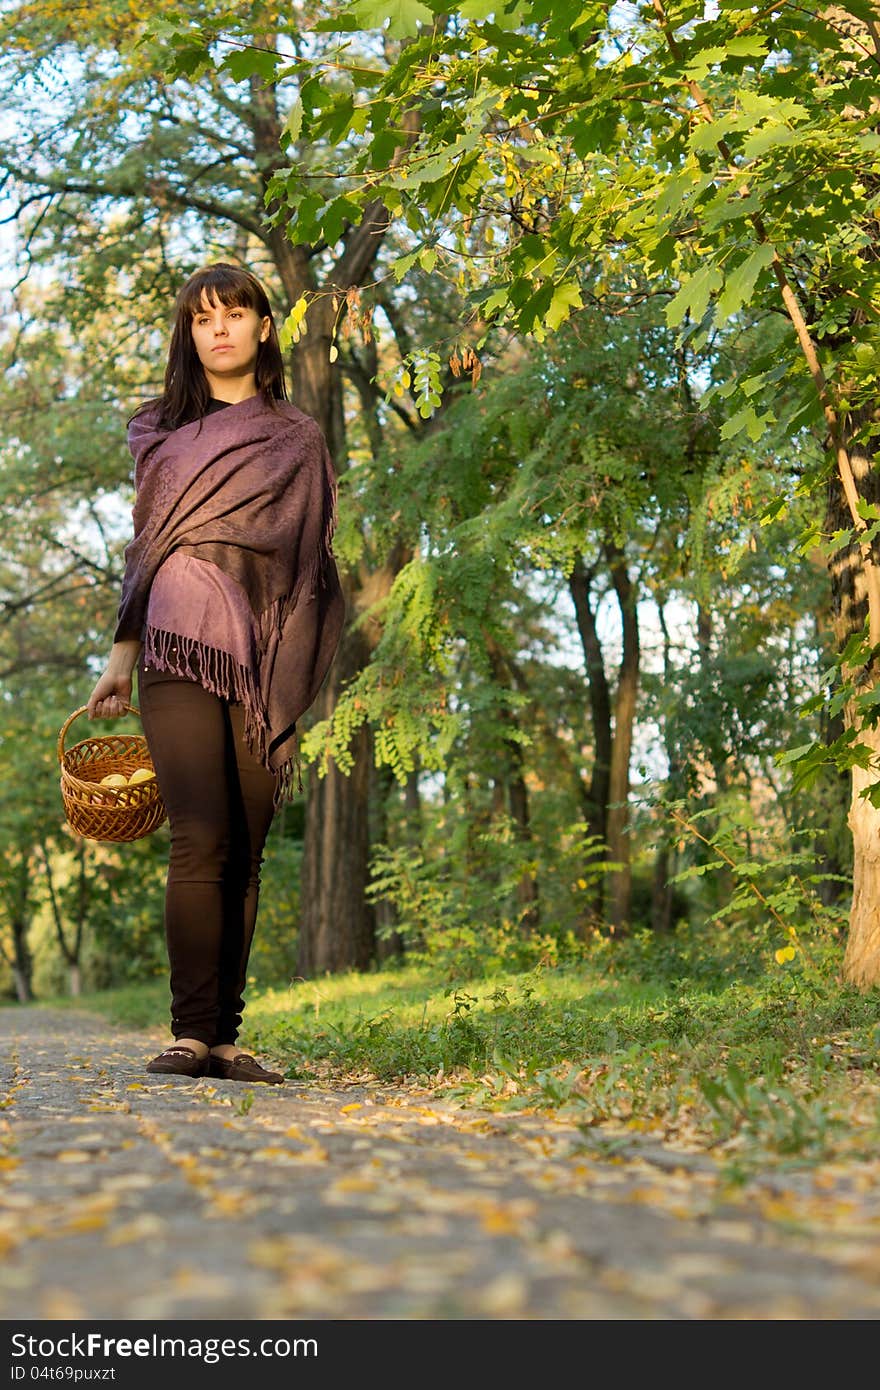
{"type": "Point", "coordinates": [125, 1195]}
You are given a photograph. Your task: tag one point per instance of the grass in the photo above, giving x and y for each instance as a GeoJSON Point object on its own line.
{"type": "Point", "coordinates": [707, 1042]}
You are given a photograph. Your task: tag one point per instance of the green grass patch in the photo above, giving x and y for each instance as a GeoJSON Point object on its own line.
{"type": "Point", "coordinates": [709, 1043]}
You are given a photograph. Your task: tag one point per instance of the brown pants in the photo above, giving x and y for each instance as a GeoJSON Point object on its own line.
{"type": "Point", "coordinates": [219, 801]}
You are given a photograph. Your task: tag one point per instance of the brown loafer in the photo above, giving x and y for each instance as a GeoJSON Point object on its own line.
{"type": "Point", "coordinates": [242, 1067]}
{"type": "Point", "coordinates": [179, 1061]}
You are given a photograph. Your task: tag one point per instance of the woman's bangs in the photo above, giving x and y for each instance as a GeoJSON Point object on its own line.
{"type": "Point", "coordinates": [232, 289]}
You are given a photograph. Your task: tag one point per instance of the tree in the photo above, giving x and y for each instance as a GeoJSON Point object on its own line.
{"type": "Point", "coordinates": [732, 158]}
{"type": "Point", "coordinates": [578, 465]}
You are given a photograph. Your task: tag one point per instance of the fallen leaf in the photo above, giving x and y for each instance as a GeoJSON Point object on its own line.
{"type": "Point", "coordinates": [354, 1184]}
{"type": "Point", "coordinates": [141, 1228]}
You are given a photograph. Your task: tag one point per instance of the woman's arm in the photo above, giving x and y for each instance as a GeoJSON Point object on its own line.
{"type": "Point", "coordinates": [113, 690]}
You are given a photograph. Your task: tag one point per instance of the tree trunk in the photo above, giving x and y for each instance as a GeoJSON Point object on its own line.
{"type": "Point", "coordinates": [20, 912]}
{"type": "Point", "coordinates": [388, 940]}
{"type": "Point", "coordinates": [338, 923]}
{"type": "Point", "coordinates": [412, 831]}
{"type": "Point", "coordinates": [723, 879]}
{"type": "Point", "coordinates": [70, 957]}
{"type": "Point", "coordinates": [580, 585]}
{"type": "Point", "coordinates": [517, 792]}
{"type": "Point", "coordinates": [528, 905]}
{"type": "Point", "coordinates": [23, 991]}
{"type": "Point", "coordinates": [661, 888]}
{"type": "Point", "coordinates": [832, 795]}
{"type": "Point", "coordinates": [849, 606]}
{"type": "Point", "coordinates": [620, 886]}
{"type": "Point", "coordinates": [861, 961]}
{"type": "Point", "coordinates": [22, 962]}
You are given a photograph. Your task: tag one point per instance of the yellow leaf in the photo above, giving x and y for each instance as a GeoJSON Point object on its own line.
{"type": "Point", "coordinates": [356, 1105]}
{"type": "Point", "coordinates": [230, 1203]}
{"type": "Point", "coordinates": [500, 1223]}
{"type": "Point", "coordinates": [87, 1221]}
{"type": "Point", "coordinates": [139, 1229]}
{"type": "Point", "coordinates": [355, 1184]}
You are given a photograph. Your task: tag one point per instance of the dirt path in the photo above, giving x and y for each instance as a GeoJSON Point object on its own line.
{"type": "Point", "coordinates": [124, 1195]}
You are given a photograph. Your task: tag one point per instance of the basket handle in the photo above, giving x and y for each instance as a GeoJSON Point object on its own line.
{"type": "Point", "coordinates": [83, 709]}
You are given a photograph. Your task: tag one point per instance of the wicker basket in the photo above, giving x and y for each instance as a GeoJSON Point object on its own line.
{"type": "Point", "coordinates": [108, 813]}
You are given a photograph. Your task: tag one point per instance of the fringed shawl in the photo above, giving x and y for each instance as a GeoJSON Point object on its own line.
{"type": "Point", "coordinates": [244, 500]}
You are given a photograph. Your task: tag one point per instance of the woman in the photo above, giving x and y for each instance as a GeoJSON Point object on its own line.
{"type": "Point", "coordinates": [231, 611]}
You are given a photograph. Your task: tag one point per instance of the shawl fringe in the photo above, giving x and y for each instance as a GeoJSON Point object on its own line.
{"type": "Point", "coordinates": [220, 674]}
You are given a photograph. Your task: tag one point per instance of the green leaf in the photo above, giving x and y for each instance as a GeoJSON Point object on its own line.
{"type": "Point", "coordinates": [740, 282]}
{"type": "Point", "coordinates": [336, 214]}
{"type": "Point", "coordinates": [337, 119]}
{"type": "Point", "coordinates": [706, 134]}
{"type": "Point", "coordinates": [535, 306]}
{"type": "Point", "coordinates": [749, 420]}
{"type": "Point", "coordinates": [402, 264]}
{"type": "Point", "coordinates": [507, 14]}
{"type": "Point", "coordinates": [747, 46]}
{"type": "Point", "coordinates": [566, 296]}
{"type": "Point", "coordinates": [243, 63]}
{"type": "Point", "coordinates": [767, 138]}
{"type": "Point", "coordinates": [774, 509]}
{"type": "Point", "coordinates": [293, 124]}
{"type": "Point", "coordinates": [191, 60]}
{"type": "Point", "coordinates": [793, 755]}
{"type": "Point", "coordinates": [680, 189]}
{"type": "Point", "coordinates": [702, 62]}
{"type": "Point", "coordinates": [595, 132]}
{"type": "Point", "coordinates": [694, 295]}
{"type": "Point", "coordinates": [403, 16]}
{"type": "Point", "coordinates": [478, 9]}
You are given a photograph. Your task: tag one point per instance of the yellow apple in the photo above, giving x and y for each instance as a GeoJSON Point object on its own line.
{"type": "Point", "coordinates": [114, 779]}
{"type": "Point", "coordinates": [141, 774]}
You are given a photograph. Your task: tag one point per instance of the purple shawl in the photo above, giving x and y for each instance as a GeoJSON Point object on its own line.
{"type": "Point", "coordinates": [248, 494]}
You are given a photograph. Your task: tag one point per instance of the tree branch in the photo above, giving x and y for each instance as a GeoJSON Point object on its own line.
{"type": "Point", "coordinates": [156, 188]}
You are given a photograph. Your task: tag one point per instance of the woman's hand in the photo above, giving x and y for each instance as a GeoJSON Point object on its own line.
{"type": "Point", "coordinates": [110, 696]}
{"type": "Point", "coordinates": [113, 691]}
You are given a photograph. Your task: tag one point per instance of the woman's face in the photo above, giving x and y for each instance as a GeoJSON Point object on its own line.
{"type": "Point", "coordinates": [227, 336]}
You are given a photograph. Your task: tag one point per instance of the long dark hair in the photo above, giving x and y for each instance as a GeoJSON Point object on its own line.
{"type": "Point", "coordinates": [186, 392]}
